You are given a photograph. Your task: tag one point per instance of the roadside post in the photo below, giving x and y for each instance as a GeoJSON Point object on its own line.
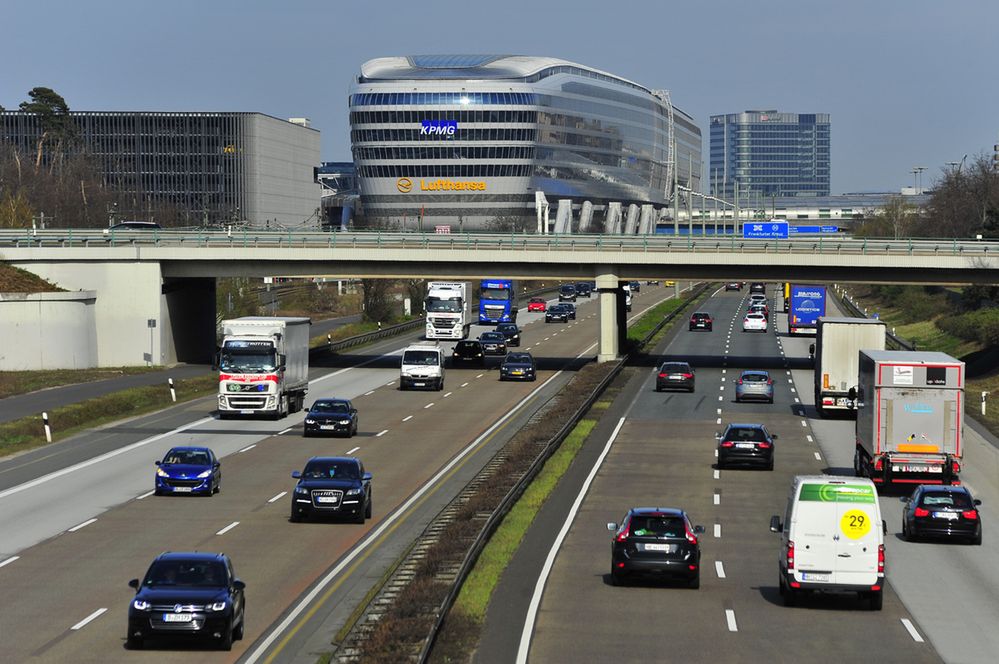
{"type": "Point", "coordinates": [173, 392]}
{"type": "Point", "coordinates": [48, 429]}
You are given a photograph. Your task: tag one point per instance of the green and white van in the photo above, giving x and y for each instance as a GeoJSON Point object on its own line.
{"type": "Point", "coordinates": [832, 539]}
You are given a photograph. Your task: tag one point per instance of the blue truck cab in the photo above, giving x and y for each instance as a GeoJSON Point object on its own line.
{"type": "Point", "coordinates": [496, 302]}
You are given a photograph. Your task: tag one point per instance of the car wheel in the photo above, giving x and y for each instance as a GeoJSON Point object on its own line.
{"type": "Point", "coordinates": [157, 492]}
{"type": "Point", "coordinates": [695, 582]}
{"type": "Point", "coordinates": [876, 600]}
{"type": "Point", "coordinates": [218, 486]}
{"type": "Point", "coordinates": [790, 595]}
{"type": "Point", "coordinates": [617, 579]}
{"type": "Point", "coordinates": [237, 633]}
{"type": "Point", "coordinates": [770, 466]}
{"type": "Point", "coordinates": [133, 643]}
{"type": "Point", "coordinates": [691, 390]}
{"type": "Point", "coordinates": [658, 388]}
{"type": "Point", "coordinates": [306, 433]}
{"type": "Point", "coordinates": [368, 507]}
{"type": "Point", "coordinates": [977, 539]}
{"type": "Point", "coordinates": [225, 643]}
{"type": "Point", "coordinates": [359, 517]}
{"type": "Point", "coordinates": [296, 516]}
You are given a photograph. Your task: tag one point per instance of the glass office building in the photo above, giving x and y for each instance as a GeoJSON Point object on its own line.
{"type": "Point", "coordinates": [466, 141]}
{"type": "Point", "coordinates": [213, 167]}
{"type": "Point", "coordinates": [768, 153]}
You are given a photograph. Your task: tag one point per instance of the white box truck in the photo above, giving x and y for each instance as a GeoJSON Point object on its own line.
{"type": "Point", "coordinates": [446, 309]}
{"type": "Point", "coordinates": [263, 366]}
{"type": "Point", "coordinates": [837, 355]}
{"type": "Point", "coordinates": [910, 417]}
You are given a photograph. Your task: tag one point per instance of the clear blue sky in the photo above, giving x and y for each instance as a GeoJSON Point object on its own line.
{"type": "Point", "coordinates": [907, 82]}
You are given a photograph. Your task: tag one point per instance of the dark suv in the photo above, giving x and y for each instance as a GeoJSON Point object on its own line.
{"type": "Point", "coordinates": [187, 595]}
{"type": "Point", "coordinates": [942, 511]}
{"type": "Point", "coordinates": [746, 444]}
{"type": "Point", "coordinates": [583, 289]}
{"type": "Point", "coordinates": [656, 541]}
{"type": "Point", "coordinates": [700, 321]}
{"type": "Point", "coordinates": [332, 486]}
{"type": "Point", "coordinates": [567, 293]}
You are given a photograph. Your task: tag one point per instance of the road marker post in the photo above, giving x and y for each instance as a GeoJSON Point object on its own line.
{"type": "Point", "coordinates": [173, 392]}
{"type": "Point", "coordinates": [48, 429]}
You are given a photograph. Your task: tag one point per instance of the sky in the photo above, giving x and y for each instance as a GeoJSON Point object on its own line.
{"type": "Point", "coordinates": [906, 82]}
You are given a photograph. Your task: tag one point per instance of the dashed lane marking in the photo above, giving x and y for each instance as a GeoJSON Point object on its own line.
{"type": "Point", "coordinates": [351, 451]}
{"type": "Point", "coordinates": [804, 423]}
{"type": "Point", "coordinates": [369, 393]}
{"type": "Point", "coordinates": [818, 456]}
{"type": "Point", "coordinates": [407, 418]}
{"type": "Point", "coordinates": [480, 375]}
{"type": "Point", "coordinates": [911, 630]}
{"type": "Point", "coordinates": [448, 394]}
{"type": "Point", "coordinates": [4, 563]}
{"type": "Point", "coordinates": [717, 530]}
{"type": "Point", "coordinates": [718, 421]}
{"type": "Point", "coordinates": [93, 616]}
{"type": "Point", "coordinates": [719, 569]}
{"type": "Point", "coordinates": [381, 433]}
{"type": "Point", "coordinates": [809, 438]}
{"type": "Point", "coordinates": [81, 525]}
{"type": "Point", "coordinates": [717, 499]}
{"type": "Point", "coordinates": [278, 497]}
{"type": "Point", "coordinates": [145, 495]}
{"type": "Point", "coordinates": [730, 619]}
{"type": "Point", "coordinates": [228, 528]}
{"type": "Point", "coordinates": [717, 472]}
{"type": "Point", "coordinates": [428, 405]}
{"type": "Point", "coordinates": [247, 448]}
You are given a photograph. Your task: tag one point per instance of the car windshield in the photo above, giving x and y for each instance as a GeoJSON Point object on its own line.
{"type": "Point", "coordinates": [467, 345]}
{"type": "Point", "coordinates": [198, 573]}
{"type": "Point", "coordinates": [330, 407]}
{"type": "Point", "coordinates": [755, 316]}
{"type": "Point", "coordinates": [568, 289]}
{"type": "Point", "coordinates": [657, 526]}
{"type": "Point", "coordinates": [518, 358]}
{"type": "Point", "coordinates": [960, 500]}
{"type": "Point", "coordinates": [491, 336]}
{"type": "Point", "coordinates": [494, 294]}
{"type": "Point", "coordinates": [700, 316]}
{"type": "Point", "coordinates": [754, 378]}
{"type": "Point", "coordinates": [341, 470]}
{"type": "Point", "coordinates": [420, 357]}
{"type": "Point", "coordinates": [189, 457]}
{"type": "Point", "coordinates": [750, 434]}
{"type": "Point", "coordinates": [506, 327]}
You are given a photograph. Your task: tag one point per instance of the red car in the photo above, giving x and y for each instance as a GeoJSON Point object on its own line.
{"type": "Point", "coordinates": [537, 304]}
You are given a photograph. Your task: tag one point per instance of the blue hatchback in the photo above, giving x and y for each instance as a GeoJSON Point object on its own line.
{"type": "Point", "coordinates": [188, 470]}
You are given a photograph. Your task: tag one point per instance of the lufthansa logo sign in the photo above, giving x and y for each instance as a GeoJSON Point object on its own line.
{"type": "Point", "coordinates": [404, 185]}
{"type": "Point", "coordinates": [451, 185]}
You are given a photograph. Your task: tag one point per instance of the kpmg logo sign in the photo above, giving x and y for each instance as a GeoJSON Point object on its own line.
{"type": "Point", "coordinates": [438, 127]}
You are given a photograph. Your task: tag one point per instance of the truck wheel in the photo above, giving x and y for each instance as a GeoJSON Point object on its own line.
{"type": "Point", "coordinates": [857, 469]}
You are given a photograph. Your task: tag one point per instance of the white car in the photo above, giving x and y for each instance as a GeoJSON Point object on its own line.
{"type": "Point", "coordinates": [754, 323]}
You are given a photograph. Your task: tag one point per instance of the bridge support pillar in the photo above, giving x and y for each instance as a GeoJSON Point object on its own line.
{"type": "Point", "coordinates": [608, 288]}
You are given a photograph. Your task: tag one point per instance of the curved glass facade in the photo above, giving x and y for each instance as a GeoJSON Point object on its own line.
{"type": "Point", "coordinates": [466, 141]}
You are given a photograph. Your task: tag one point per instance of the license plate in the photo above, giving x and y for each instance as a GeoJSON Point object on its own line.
{"type": "Point", "coordinates": [183, 489]}
{"type": "Point", "coordinates": [811, 576]}
{"type": "Point", "coordinates": [177, 617]}
{"type": "Point", "coordinates": [419, 384]}
{"type": "Point", "coordinates": [842, 402]}
{"type": "Point", "coordinates": [517, 373]}
{"type": "Point", "coordinates": [326, 427]}
{"type": "Point", "coordinates": [246, 412]}
{"type": "Point", "coordinates": [745, 446]}
{"type": "Point", "coordinates": [668, 548]}
{"type": "Point", "coordinates": [327, 499]}
{"type": "Point", "coordinates": [912, 469]}
{"type": "Point", "coordinates": [945, 515]}
{"type": "Point", "coordinates": [676, 376]}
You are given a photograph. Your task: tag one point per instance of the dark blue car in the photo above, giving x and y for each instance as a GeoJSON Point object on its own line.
{"type": "Point", "coordinates": [332, 486]}
{"type": "Point", "coordinates": [331, 417]}
{"type": "Point", "coordinates": [188, 470]}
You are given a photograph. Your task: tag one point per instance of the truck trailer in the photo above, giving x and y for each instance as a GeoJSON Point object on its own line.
{"type": "Point", "coordinates": [838, 343]}
{"type": "Point", "coordinates": [447, 310]}
{"type": "Point", "coordinates": [808, 304]}
{"type": "Point", "coordinates": [263, 366]}
{"type": "Point", "coordinates": [910, 417]}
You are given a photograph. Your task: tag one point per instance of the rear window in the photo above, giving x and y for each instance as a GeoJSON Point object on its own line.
{"type": "Point", "coordinates": [754, 378]}
{"type": "Point", "coordinates": [676, 367]}
{"type": "Point", "coordinates": [657, 526]}
{"type": "Point", "coordinates": [700, 316]}
{"type": "Point", "coordinates": [749, 434]}
{"type": "Point", "coordinates": [931, 499]}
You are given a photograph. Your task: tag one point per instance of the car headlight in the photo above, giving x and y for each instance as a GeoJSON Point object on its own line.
{"type": "Point", "coordinates": [355, 491]}
{"type": "Point", "coordinates": [215, 606]}
{"type": "Point", "coordinates": [301, 490]}
{"type": "Point", "coordinates": [344, 421]}
{"type": "Point", "coordinates": [309, 420]}
{"type": "Point", "coordinates": [162, 473]}
{"type": "Point", "coordinates": [141, 605]}
{"type": "Point", "coordinates": [205, 474]}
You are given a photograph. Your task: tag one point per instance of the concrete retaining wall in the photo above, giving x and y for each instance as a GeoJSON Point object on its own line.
{"type": "Point", "coordinates": [48, 331]}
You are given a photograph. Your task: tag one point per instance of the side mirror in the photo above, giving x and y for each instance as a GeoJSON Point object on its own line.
{"type": "Point", "coordinates": [904, 499]}
{"type": "Point", "coordinates": [774, 436]}
{"type": "Point", "coordinates": [158, 462]}
{"type": "Point", "coordinates": [977, 501]}
{"type": "Point", "coordinates": [775, 524]}
{"type": "Point", "coordinates": [698, 530]}
{"type": "Point", "coordinates": [612, 527]}
{"type": "Point", "coordinates": [216, 360]}
{"type": "Point", "coordinates": [296, 474]}
{"type": "Point", "coordinates": [353, 411]}
{"type": "Point", "coordinates": [238, 585]}
{"type": "Point", "coordinates": [367, 477]}
{"type": "Point", "coordinates": [717, 435]}
{"type": "Point", "coordinates": [216, 464]}
{"type": "Point", "coordinates": [134, 583]}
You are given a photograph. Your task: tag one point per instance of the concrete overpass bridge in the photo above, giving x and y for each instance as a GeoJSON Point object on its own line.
{"type": "Point", "coordinates": [153, 293]}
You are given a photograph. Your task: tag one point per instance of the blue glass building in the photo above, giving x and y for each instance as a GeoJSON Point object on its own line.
{"type": "Point", "coordinates": [769, 153]}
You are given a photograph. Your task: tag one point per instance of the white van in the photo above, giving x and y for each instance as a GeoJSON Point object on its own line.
{"type": "Point", "coordinates": [422, 367]}
{"type": "Point", "coordinates": [832, 539]}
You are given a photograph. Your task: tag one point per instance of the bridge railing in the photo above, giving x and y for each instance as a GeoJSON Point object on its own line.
{"type": "Point", "coordinates": [286, 239]}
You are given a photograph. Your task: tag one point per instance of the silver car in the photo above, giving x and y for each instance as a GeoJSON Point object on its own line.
{"type": "Point", "coordinates": [754, 385]}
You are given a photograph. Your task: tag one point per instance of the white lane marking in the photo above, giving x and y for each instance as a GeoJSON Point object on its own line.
{"type": "Point", "coordinates": [719, 569]}
{"type": "Point", "coordinates": [721, 388]}
{"type": "Point", "coordinates": [278, 497]}
{"type": "Point", "coordinates": [547, 338]}
{"type": "Point", "coordinates": [428, 405]}
{"type": "Point", "coordinates": [723, 371]}
{"type": "Point", "coordinates": [448, 394]}
{"type": "Point", "coordinates": [100, 459]}
{"type": "Point", "coordinates": [911, 630]}
{"type": "Point", "coordinates": [381, 433]}
{"type": "Point", "coordinates": [718, 421]}
{"type": "Point", "coordinates": [788, 373]}
{"type": "Point", "coordinates": [369, 393]}
{"type": "Point", "coordinates": [717, 499]}
{"type": "Point", "coordinates": [4, 563]}
{"type": "Point", "coordinates": [730, 619]}
{"type": "Point", "coordinates": [809, 437]}
{"type": "Point", "coordinates": [721, 398]}
{"type": "Point", "coordinates": [247, 448]}
{"type": "Point", "coordinates": [818, 456]}
{"type": "Point", "coordinates": [228, 528]}
{"type": "Point", "coordinates": [717, 530]}
{"type": "Point", "coordinates": [146, 494]}
{"type": "Point", "coordinates": [407, 418]}
{"type": "Point", "coordinates": [83, 623]}
{"type": "Point", "coordinates": [804, 423]}
{"type": "Point", "coordinates": [281, 433]}
{"type": "Point", "coordinates": [797, 400]}
{"type": "Point", "coordinates": [532, 609]}
{"type": "Point", "coordinates": [81, 525]}
{"type": "Point", "coordinates": [390, 383]}
{"type": "Point", "coordinates": [792, 389]}
{"type": "Point", "coordinates": [528, 348]}
{"type": "Point", "coordinates": [376, 533]}
{"type": "Point", "coordinates": [717, 472]}
{"type": "Point", "coordinates": [719, 411]}
{"type": "Point", "coordinates": [480, 375]}
{"type": "Point", "coordinates": [464, 384]}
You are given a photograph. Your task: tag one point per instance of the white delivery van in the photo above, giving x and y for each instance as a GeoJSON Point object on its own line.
{"type": "Point", "coordinates": [832, 539]}
{"type": "Point", "coordinates": [422, 367]}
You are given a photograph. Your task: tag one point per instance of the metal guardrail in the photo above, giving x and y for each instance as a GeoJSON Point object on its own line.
{"type": "Point", "coordinates": [515, 492]}
{"type": "Point", "coordinates": [846, 303]}
{"type": "Point", "coordinates": [245, 238]}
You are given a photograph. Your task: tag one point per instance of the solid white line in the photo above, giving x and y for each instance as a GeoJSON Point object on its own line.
{"type": "Point", "coordinates": [532, 610]}
{"type": "Point", "coordinates": [281, 433]}
{"type": "Point", "coordinates": [81, 525]}
{"type": "Point", "coordinates": [818, 456]}
{"type": "Point", "coordinates": [92, 616]}
{"type": "Point", "coordinates": [809, 438]}
{"type": "Point", "coordinates": [4, 563]}
{"type": "Point", "coordinates": [100, 459]}
{"type": "Point", "coordinates": [730, 619]}
{"type": "Point", "coordinates": [719, 569]}
{"type": "Point", "coordinates": [369, 393]}
{"type": "Point", "coordinates": [428, 405]}
{"type": "Point", "coordinates": [247, 448]}
{"type": "Point", "coordinates": [374, 534]}
{"type": "Point", "coordinates": [228, 528]}
{"type": "Point", "coordinates": [407, 418]}
{"type": "Point", "coordinates": [353, 450]}
{"type": "Point", "coordinates": [381, 433]}
{"type": "Point", "coordinates": [464, 384]}
{"type": "Point", "coordinates": [912, 630]}
{"type": "Point", "coordinates": [146, 494]}
{"type": "Point", "coordinates": [278, 497]}
{"type": "Point", "coordinates": [717, 499]}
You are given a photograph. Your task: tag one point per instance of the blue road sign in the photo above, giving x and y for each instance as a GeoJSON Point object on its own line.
{"type": "Point", "coordinates": [830, 229]}
{"type": "Point", "coordinates": [767, 230]}
{"type": "Point", "coordinates": [804, 229]}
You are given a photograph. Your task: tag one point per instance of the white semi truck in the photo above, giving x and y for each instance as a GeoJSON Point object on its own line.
{"type": "Point", "coordinates": [837, 355]}
{"type": "Point", "coordinates": [263, 366]}
{"type": "Point", "coordinates": [447, 310]}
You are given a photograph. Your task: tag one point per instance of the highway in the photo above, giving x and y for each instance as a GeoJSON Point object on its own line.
{"type": "Point", "coordinates": [77, 520]}
{"type": "Point", "coordinates": [556, 603]}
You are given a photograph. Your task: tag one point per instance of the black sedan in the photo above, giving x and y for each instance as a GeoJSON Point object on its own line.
{"type": "Point", "coordinates": [187, 595]}
{"type": "Point", "coordinates": [949, 512]}
{"type": "Point", "coordinates": [511, 332]}
{"type": "Point", "coordinates": [332, 486]}
{"type": "Point", "coordinates": [557, 313]}
{"type": "Point", "coordinates": [493, 343]}
{"type": "Point", "coordinates": [518, 366]}
{"type": "Point", "coordinates": [746, 444]}
{"type": "Point", "coordinates": [336, 417]}
{"type": "Point", "coordinates": [656, 541]}
{"type": "Point", "coordinates": [468, 352]}
{"type": "Point", "coordinates": [571, 308]}
{"type": "Point", "coordinates": [675, 374]}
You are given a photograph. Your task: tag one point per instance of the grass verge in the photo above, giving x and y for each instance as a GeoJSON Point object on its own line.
{"type": "Point", "coordinates": [21, 382]}
{"type": "Point", "coordinates": [28, 433]}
